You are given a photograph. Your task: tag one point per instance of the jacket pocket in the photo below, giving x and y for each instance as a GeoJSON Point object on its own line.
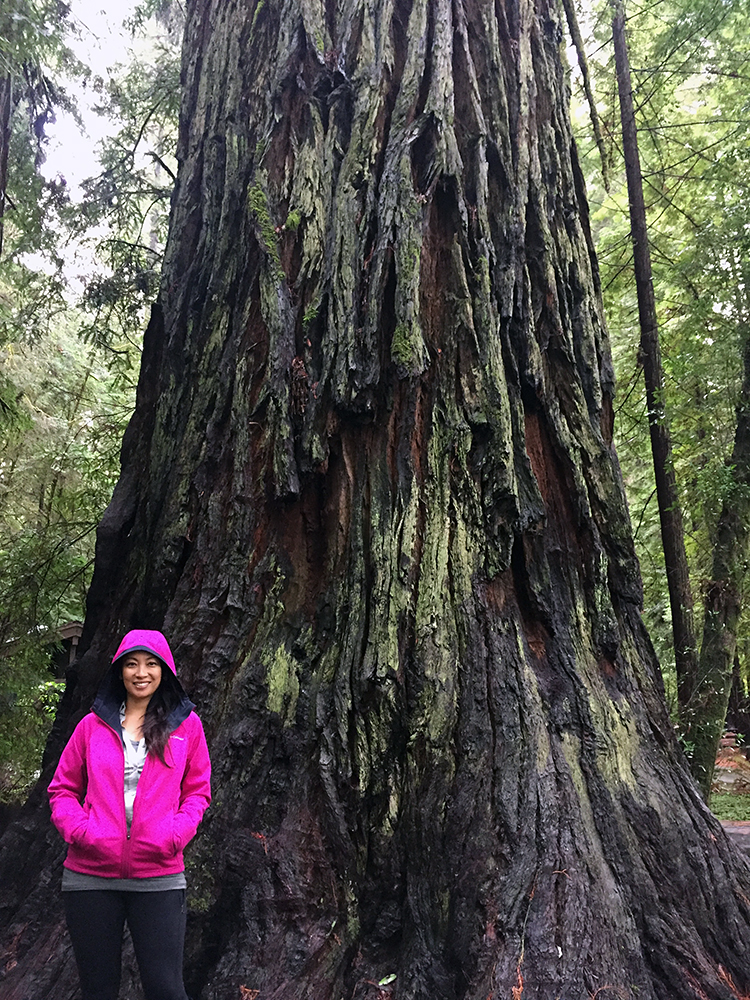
{"type": "Point", "coordinates": [101, 844]}
{"type": "Point", "coordinates": [155, 842]}
{"type": "Point", "coordinates": [78, 836]}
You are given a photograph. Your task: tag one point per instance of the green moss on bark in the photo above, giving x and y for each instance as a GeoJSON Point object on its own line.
{"type": "Point", "coordinates": [258, 203]}
{"type": "Point", "coordinates": [283, 684]}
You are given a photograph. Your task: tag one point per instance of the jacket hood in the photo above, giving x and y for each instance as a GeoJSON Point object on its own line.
{"type": "Point", "coordinates": [149, 642]}
{"type": "Point", "coordinates": [111, 691]}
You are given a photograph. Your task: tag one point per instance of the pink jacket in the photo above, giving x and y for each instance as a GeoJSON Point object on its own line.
{"type": "Point", "coordinates": [86, 793]}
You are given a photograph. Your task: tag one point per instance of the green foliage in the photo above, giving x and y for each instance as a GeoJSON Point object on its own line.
{"type": "Point", "coordinates": [32, 34]}
{"type": "Point", "coordinates": [130, 196]}
{"type": "Point", "coordinates": [59, 465]}
{"type": "Point", "coordinates": [35, 58]}
{"type": "Point", "coordinates": [689, 80]}
{"type": "Point", "coordinates": [56, 476]}
{"type": "Point", "coordinates": [730, 806]}
{"type": "Point", "coordinates": [70, 343]}
{"type": "Point", "coordinates": [167, 13]}
{"type": "Point", "coordinates": [28, 700]}
{"type": "Point", "coordinates": [118, 229]}
{"type": "Point", "coordinates": [119, 226]}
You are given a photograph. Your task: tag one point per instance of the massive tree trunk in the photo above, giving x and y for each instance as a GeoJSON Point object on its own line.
{"type": "Point", "coordinates": [370, 494]}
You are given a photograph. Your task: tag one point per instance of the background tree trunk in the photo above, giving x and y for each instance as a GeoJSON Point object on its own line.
{"type": "Point", "coordinates": [370, 494]}
{"type": "Point", "coordinates": [6, 86]}
{"type": "Point", "coordinates": [724, 599]}
{"type": "Point", "coordinates": [670, 510]}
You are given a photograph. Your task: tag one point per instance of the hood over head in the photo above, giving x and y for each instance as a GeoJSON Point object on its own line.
{"type": "Point", "coordinates": [148, 641]}
{"type": "Point", "coordinates": [112, 692]}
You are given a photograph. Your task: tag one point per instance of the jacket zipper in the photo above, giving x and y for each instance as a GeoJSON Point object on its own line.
{"type": "Point", "coordinates": [125, 857]}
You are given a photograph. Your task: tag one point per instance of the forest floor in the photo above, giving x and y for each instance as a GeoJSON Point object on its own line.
{"type": "Point", "coordinates": [738, 831]}
{"type": "Point", "coordinates": [730, 793]}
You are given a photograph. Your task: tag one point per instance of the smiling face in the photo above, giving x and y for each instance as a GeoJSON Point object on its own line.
{"type": "Point", "coordinates": [141, 675]}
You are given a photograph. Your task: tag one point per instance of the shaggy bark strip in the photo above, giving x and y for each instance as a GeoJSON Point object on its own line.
{"type": "Point", "coordinates": [370, 494]}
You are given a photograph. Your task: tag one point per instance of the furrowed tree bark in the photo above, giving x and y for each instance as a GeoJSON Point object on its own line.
{"type": "Point", "coordinates": [670, 512]}
{"type": "Point", "coordinates": [369, 492]}
{"type": "Point", "coordinates": [724, 599]}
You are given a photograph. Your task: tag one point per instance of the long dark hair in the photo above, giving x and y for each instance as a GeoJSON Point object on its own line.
{"type": "Point", "coordinates": [156, 728]}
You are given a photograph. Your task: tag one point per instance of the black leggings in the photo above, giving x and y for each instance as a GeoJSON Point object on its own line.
{"type": "Point", "coordinates": [157, 926]}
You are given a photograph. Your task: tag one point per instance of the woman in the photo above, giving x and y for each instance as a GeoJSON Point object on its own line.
{"type": "Point", "coordinates": [128, 794]}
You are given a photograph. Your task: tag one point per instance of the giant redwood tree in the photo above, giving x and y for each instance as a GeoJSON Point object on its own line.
{"type": "Point", "coordinates": [369, 492]}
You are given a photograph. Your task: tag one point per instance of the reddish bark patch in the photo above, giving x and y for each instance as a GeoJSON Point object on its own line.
{"type": "Point", "coordinates": [536, 640]}
{"type": "Point", "coordinates": [337, 511]}
{"type": "Point", "coordinates": [562, 528]}
{"type": "Point", "coordinates": [607, 419]}
{"type": "Point", "coordinates": [726, 978]}
{"type": "Point", "coordinates": [499, 590]}
{"type": "Point", "coordinates": [254, 345]}
{"type": "Point", "coordinates": [607, 667]}
{"type": "Point", "coordinates": [301, 532]}
{"type": "Point", "coordinates": [392, 433]}
{"type": "Point", "coordinates": [419, 433]}
{"type": "Point", "coordinates": [290, 252]}
{"type": "Point", "coordinates": [535, 449]}
{"type": "Point", "coordinates": [501, 598]}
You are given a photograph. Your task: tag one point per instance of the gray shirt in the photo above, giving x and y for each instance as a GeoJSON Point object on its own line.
{"type": "Point", "coordinates": [135, 758]}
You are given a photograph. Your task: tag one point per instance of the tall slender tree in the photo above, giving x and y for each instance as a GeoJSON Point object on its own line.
{"type": "Point", "coordinates": [725, 591]}
{"type": "Point", "coordinates": [670, 511]}
{"type": "Point", "coordinates": [369, 491]}
{"type": "Point", "coordinates": [5, 106]}
{"type": "Point", "coordinates": [691, 125]}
